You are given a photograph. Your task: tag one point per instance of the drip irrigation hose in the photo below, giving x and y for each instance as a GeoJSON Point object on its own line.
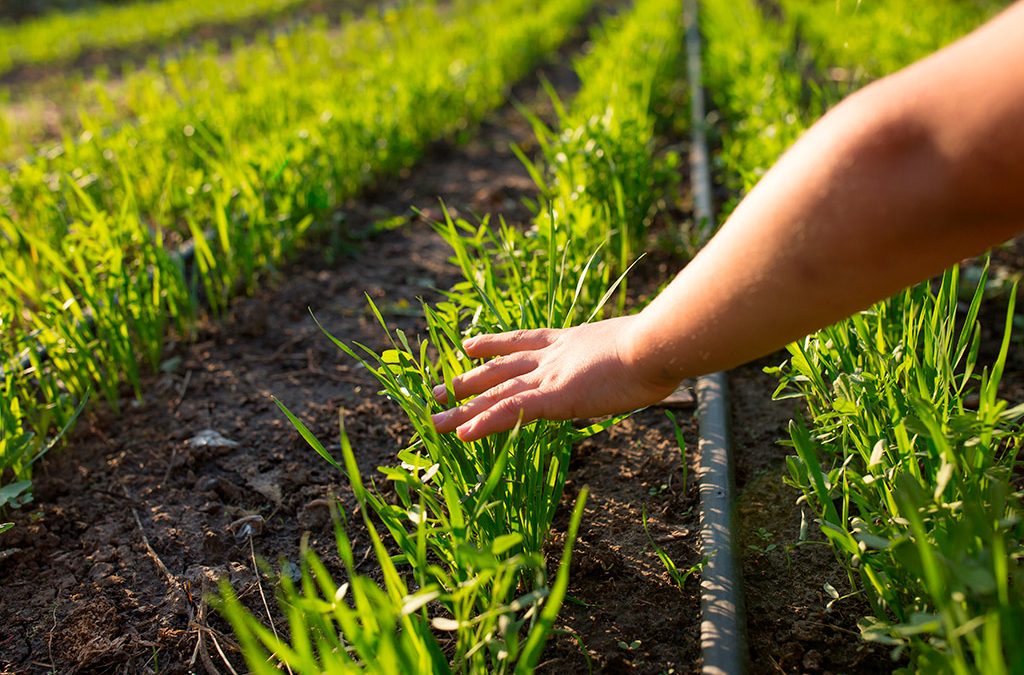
{"type": "Point", "coordinates": [722, 634]}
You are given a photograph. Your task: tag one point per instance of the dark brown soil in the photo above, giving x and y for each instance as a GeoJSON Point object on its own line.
{"type": "Point", "coordinates": [624, 613]}
{"type": "Point", "coordinates": [1006, 269]}
{"type": "Point", "coordinates": [790, 628]}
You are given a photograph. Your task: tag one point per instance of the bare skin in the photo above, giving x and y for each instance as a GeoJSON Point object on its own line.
{"type": "Point", "coordinates": [901, 180]}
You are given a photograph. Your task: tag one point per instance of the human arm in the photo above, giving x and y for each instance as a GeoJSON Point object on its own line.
{"type": "Point", "coordinates": [900, 180]}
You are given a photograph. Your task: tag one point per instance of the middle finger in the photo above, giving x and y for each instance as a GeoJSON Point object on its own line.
{"type": "Point", "coordinates": [449, 420]}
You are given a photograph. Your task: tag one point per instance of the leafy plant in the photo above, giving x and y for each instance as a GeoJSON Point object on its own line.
{"type": "Point", "coordinates": [599, 180]}
{"type": "Point", "coordinates": [856, 42]}
{"type": "Point", "coordinates": [913, 485]}
{"type": "Point", "coordinates": [678, 576]}
{"type": "Point", "coordinates": [464, 508]}
{"type": "Point", "coordinates": [61, 36]}
{"type": "Point", "coordinates": [681, 444]}
{"type": "Point", "coordinates": [450, 602]}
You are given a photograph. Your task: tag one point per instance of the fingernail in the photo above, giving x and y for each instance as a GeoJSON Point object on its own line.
{"type": "Point", "coordinates": [439, 418]}
{"type": "Point", "coordinates": [466, 344]}
{"type": "Point", "coordinates": [464, 431]}
{"type": "Point", "coordinates": [438, 391]}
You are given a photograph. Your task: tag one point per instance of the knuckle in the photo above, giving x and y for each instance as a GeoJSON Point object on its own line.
{"type": "Point", "coordinates": [508, 406]}
{"type": "Point", "coordinates": [511, 364]}
{"type": "Point", "coordinates": [507, 390]}
{"type": "Point", "coordinates": [489, 398]}
{"type": "Point", "coordinates": [518, 336]}
{"type": "Point", "coordinates": [498, 393]}
{"type": "Point", "coordinates": [459, 383]}
{"type": "Point", "coordinates": [498, 362]}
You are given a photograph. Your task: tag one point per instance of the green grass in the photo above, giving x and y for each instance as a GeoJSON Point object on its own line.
{"type": "Point", "coordinates": [867, 40]}
{"type": "Point", "coordinates": [913, 484]}
{"type": "Point", "coordinates": [462, 507]}
{"type": "Point", "coordinates": [753, 76]}
{"type": "Point", "coordinates": [244, 171]}
{"type": "Point", "coordinates": [64, 36]}
{"type": "Point", "coordinates": [450, 601]}
{"type": "Point", "coordinates": [599, 175]}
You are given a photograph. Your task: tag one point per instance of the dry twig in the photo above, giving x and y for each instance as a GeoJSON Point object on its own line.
{"type": "Point", "coordinates": [270, 618]}
{"type": "Point", "coordinates": [172, 580]}
{"type": "Point", "coordinates": [182, 390]}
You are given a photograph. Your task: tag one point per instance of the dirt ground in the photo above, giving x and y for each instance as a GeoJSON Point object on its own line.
{"type": "Point", "coordinates": [138, 516]}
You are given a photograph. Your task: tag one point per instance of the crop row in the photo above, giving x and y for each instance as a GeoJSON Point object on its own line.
{"type": "Point", "coordinates": [26, 9]}
{"type": "Point", "coordinates": [908, 456]}
{"type": "Point", "coordinates": [64, 36]}
{"type": "Point", "coordinates": [471, 519]}
{"type": "Point", "coordinates": [85, 266]}
{"type": "Point", "coordinates": [875, 39]}
{"type": "Point", "coordinates": [64, 104]}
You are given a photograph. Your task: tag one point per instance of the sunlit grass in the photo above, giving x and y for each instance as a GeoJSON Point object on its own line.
{"type": "Point", "coordinates": [459, 507]}
{"type": "Point", "coordinates": [62, 36]}
{"type": "Point", "coordinates": [908, 456]}
{"type": "Point", "coordinates": [243, 171]}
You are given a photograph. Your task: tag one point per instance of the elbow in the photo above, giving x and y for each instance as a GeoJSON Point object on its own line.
{"type": "Point", "coordinates": [945, 165]}
{"type": "Point", "coordinates": [894, 154]}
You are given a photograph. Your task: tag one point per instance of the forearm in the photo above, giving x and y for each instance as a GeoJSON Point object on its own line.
{"type": "Point", "coordinates": [898, 182]}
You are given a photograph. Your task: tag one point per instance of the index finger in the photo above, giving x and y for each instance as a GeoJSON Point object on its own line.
{"type": "Point", "coordinates": [499, 344]}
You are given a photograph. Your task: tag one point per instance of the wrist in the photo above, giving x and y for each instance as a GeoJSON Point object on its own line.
{"type": "Point", "coordinates": [647, 355]}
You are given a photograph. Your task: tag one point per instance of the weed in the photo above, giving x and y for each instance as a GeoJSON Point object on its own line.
{"type": "Point", "coordinates": [678, 576]}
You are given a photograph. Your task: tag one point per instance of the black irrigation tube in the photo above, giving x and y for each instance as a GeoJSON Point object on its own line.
{"type": "Point", "coordinates": [722, 633]}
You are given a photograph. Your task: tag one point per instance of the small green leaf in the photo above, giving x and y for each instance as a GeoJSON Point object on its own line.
{"type": "Point", "coordinates": [505, 542]}
{"type": "Point", "coordinates": [308, 435]}
{"type": "Point", "coordinates": [14, 494]}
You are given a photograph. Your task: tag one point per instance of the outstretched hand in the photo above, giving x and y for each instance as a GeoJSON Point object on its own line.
{"type": "Point", "coordinates": [555, 374]}
{"type": "Point", "coordinates": [890, 187]}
